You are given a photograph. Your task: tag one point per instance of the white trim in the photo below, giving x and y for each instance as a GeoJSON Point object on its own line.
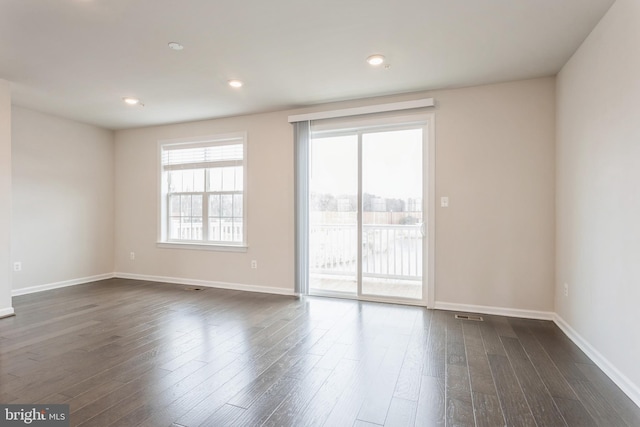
{"type": "Point", "coordinates": [430, 208]}
{"type": "Point", "coordinates": [202, 246]}
{"type": "Point", "coordinates": [369, 109]}
{"type": "Point", "coordinates": [625, 384]}
{"type": "Point", "coordinates": [7, 312]}
{"type": "Point", "coordinates": [208, 284]}
{"type": "Point", "coordinates": [63, 284]}
{"type": "Point", "coordinates": [500, 311]}
{"type": "Point", "coordinates": [367, 298]}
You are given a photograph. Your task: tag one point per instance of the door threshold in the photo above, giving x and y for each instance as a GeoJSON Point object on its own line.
{"type": "Point", "coordinates": [368, 298]}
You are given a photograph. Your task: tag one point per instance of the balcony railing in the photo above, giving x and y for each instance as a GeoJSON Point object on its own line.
{"type": "Point", "coordinates": [224, 231]}
{"type": "Point", "coordinates": [388, 251]}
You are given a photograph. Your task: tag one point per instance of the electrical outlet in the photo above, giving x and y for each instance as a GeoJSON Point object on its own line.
{"type": "Point", "coordinates": [132, 256]}
{"type": "Point", "coordinates": [566, 289]}
{"type": "Point", "coordinates": [444, 202]}
{"type": "Point", "coordinates": [254, 264]}
{"type": "Point", "coordinates": [17, 266]}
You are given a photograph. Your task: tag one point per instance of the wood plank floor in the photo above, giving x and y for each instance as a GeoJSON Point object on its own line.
{"type": "Point", "coordinates": [128, 353]}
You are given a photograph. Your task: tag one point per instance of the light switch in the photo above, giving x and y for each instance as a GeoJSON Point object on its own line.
{"type": "Point", "coordinates": [444, 202]}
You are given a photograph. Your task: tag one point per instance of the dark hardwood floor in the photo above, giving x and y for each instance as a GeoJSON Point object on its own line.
{"type": "Point", "coordinates": [128, 353]}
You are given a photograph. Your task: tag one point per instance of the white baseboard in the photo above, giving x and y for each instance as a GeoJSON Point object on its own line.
{"type": "Point", "coordinates": [500, 311]}
{"type": "Point", "coordinates": [208, 284]}
{"type": "Point", "coordinates": [626, 385]}
{"type": "Point", "coordinates": [63, 284]}
{"type": "Point", "coordinates": [6, 312]}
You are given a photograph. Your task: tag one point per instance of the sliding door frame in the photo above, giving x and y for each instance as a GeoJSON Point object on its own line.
{"type": "Point", "coordinates": [427, 122]}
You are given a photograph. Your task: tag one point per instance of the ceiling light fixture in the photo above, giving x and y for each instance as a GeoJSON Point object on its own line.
{"type": "Point", "coordinates": [375, 60]}
{"type": "Point", "coordinates": [131, 101]}
{"type": "Point", "coordinates": [235, 83]}
{"type": "Point", "coordinates": [175, 46]}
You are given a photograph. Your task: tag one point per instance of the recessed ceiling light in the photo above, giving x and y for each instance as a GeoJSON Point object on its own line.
{"type": "Point", "coordinates": [175, 46]}
{"type": "Point", "coordinates": [131, 101]}
{"type": "Point", "coordinates": [235, 83]}
{"type": "Point", "coordinates": [375, 60]}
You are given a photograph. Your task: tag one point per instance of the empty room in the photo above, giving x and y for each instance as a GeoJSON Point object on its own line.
{"type": "Point", "coordinates": [297, 213]}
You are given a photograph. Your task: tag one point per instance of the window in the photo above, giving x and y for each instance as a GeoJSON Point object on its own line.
{"type": "Point", "coordinates": [203, 191]}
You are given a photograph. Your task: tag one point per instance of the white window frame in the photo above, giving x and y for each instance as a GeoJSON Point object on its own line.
{"type": "Point", "coordinates": [163, 214]}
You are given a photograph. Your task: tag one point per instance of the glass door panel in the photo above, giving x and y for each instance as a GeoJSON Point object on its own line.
{"type": "Point", "coordinates": [392, 214]}
{"type": "Point", "coordinates": [333, 218]}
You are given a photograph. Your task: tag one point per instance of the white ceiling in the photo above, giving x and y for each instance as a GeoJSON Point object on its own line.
{"type": "Point", "coordinates": [78, 58]}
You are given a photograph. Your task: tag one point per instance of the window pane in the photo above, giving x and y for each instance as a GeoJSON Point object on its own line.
{"type": "Point", "coordinates": [214, 229]}
{"type": "Point", "coordinates": [227, 205]}
{"type": "Point", "coordinates": [174, 205]}
{"type": "Point", "coordinates": [239, 178]}
{"type": "Point", "coordinates": [214, 205]}
{"type": "Point", "coordinates": [185, 230]}
{"type": "Point", "coordinates": [185, 205]}
{"type": "Point", "coordinates": [215, 179]}
{"type": "Point", "coordinates": [174, 228]}
{"type": "Point", "coordinates": [193, 180]}
{"type": "Point", "coordinates": [226, 232]}
{"type": "Point", "coordinates": [196, 206]}
{"type": "Point", "coordinates": [237, 228]}
{"type": "Point", "coordinates": [237, 205]}
{"type": "Point", "coordinates": [191, 228]}
{"type": "Point", "coordinates": [198, 179]}
{"type": "Point", "coordinates": [196, 228]}
{"type": "Point", "coordinates": [175, 181]}
{"type": "Point", "coordinates": [228, 179]}
{"type": "Point", "coordinates": [186, 181]}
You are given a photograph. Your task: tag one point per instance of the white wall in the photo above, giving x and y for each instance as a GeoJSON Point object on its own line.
{"type": "Point", "coordinates": [270, 205]}
{"type": "Point", "coordinates": [63, 199]}
{"type": "Point", "coordinates": [598, 197]}
{"type": "Point", "coordinates": [495, 162]}
{"type": "Point", "coordinates": [5, 199]}
{"type": "Point", "coordinates": [494, 159]}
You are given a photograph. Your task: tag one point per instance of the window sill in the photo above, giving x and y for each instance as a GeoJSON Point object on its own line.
{"type": "Point", "coordinates": [202, 246]}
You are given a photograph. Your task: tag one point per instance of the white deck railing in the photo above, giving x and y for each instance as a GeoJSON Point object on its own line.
{"type": "Point", "coordinates": [388, 251]}
{"type": "Point", "coordinates": [225, 231]}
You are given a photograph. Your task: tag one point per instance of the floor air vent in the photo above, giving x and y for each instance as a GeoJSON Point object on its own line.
{"type": "Point", "coordinates": [469, 317]}
{"type": "Point", "coordinates": [193, 289]}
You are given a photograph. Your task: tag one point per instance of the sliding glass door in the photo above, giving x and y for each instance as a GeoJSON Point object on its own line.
{"type": "Point", "coordinates": [366, 211]}
{"type": "Point", "coordinates": [333, 214]}
{"type": "Point", "coordinates": [392, 219]}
